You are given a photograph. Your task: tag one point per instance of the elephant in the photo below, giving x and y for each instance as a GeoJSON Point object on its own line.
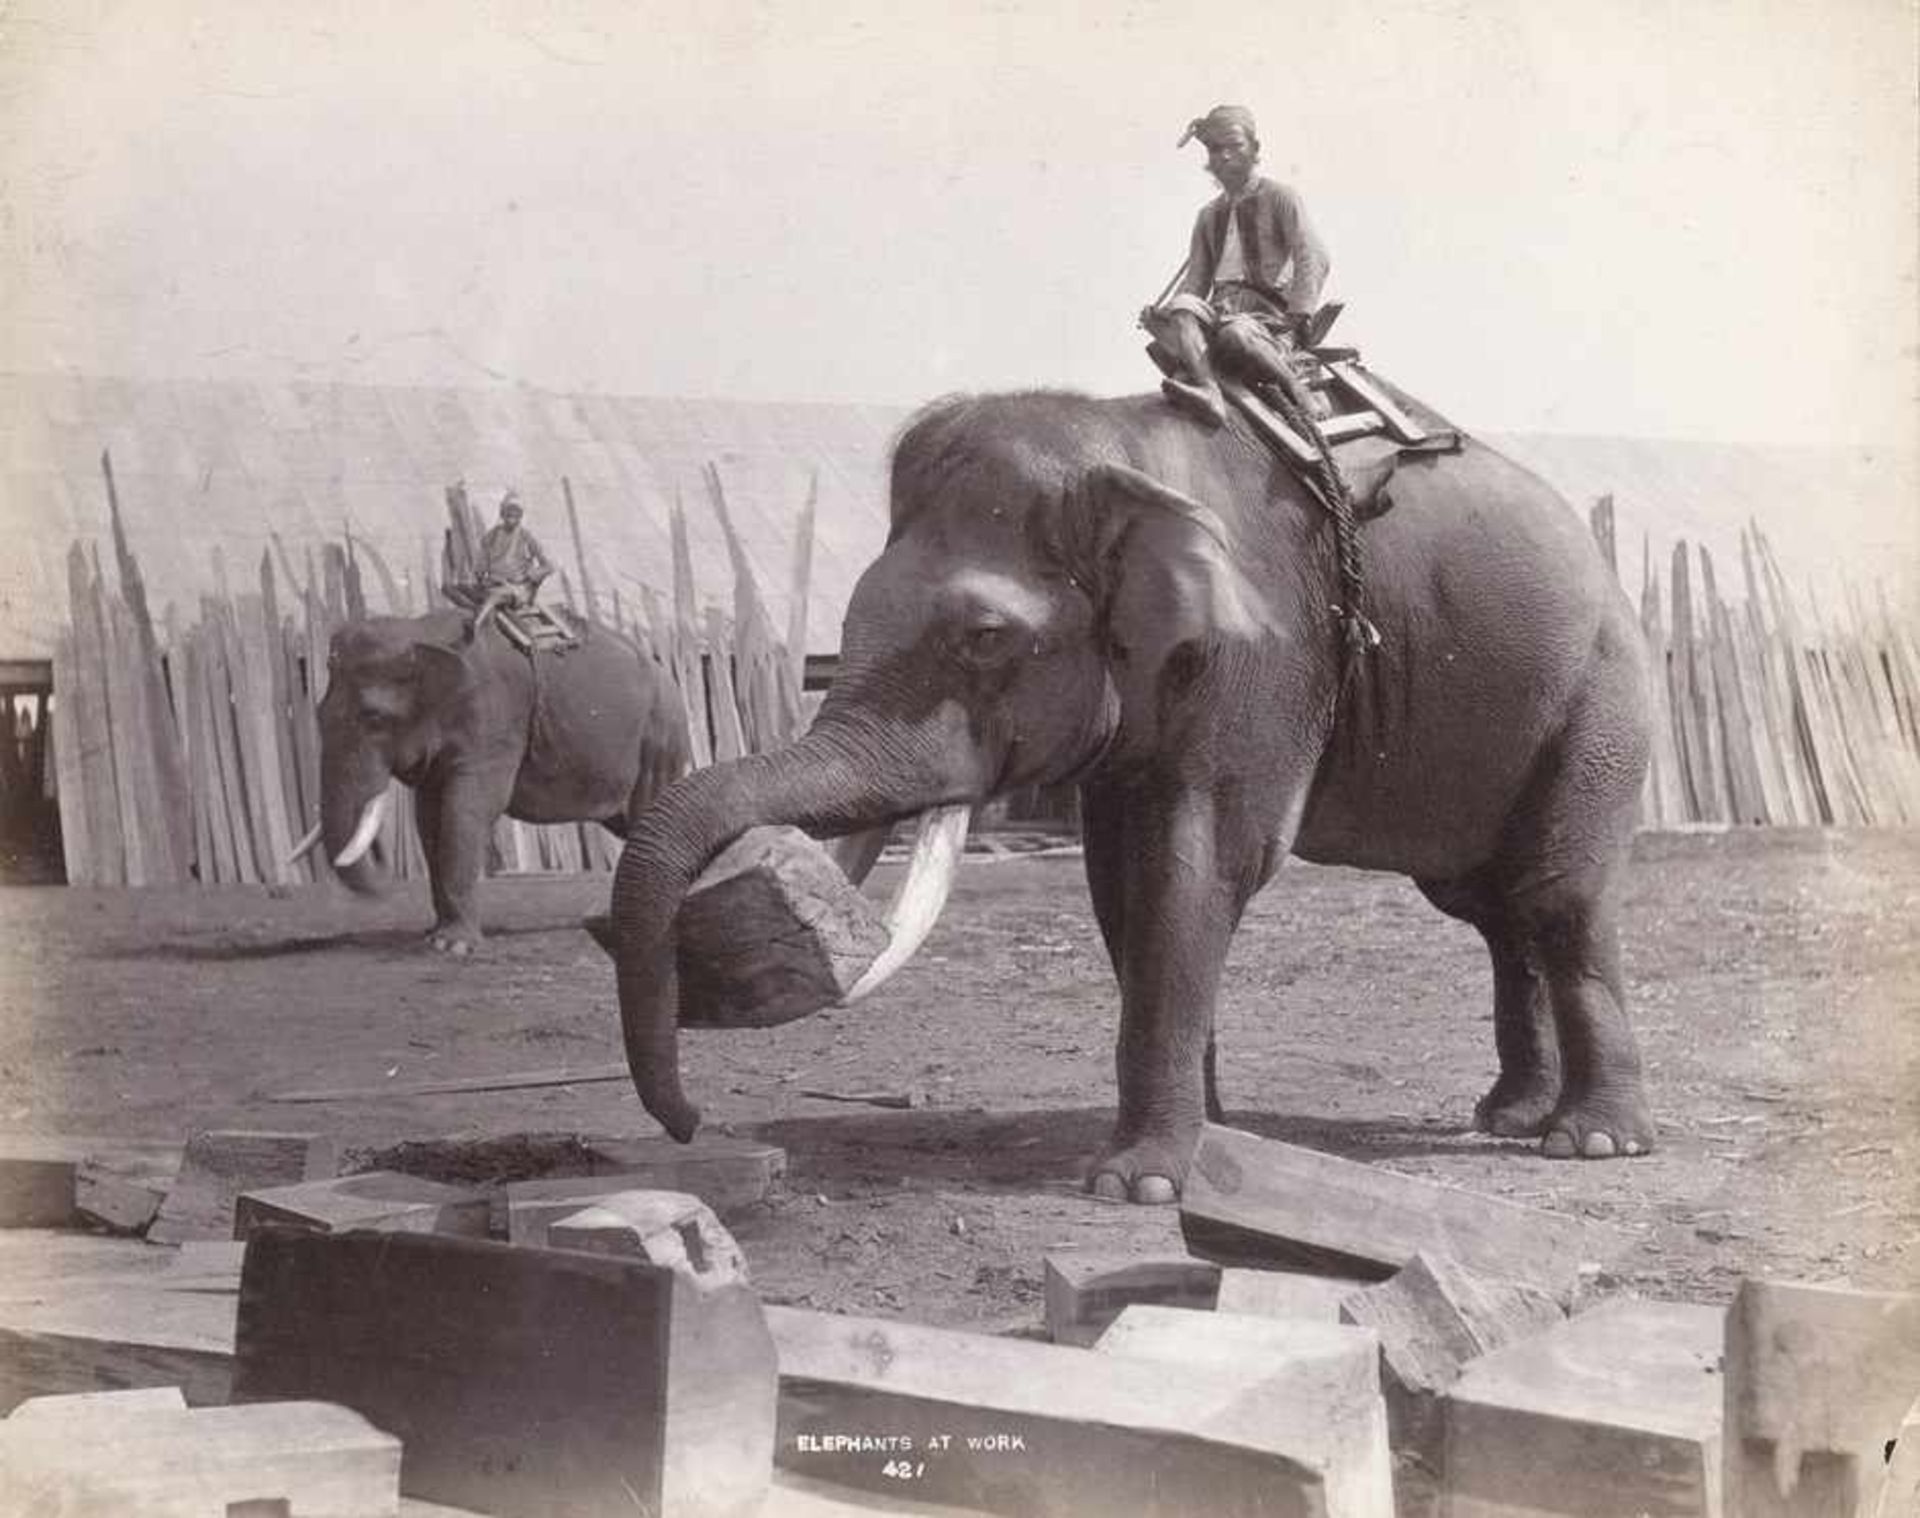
{"type": "Point", "coordinates": [479, 729]}
{"type": "Point", "coordinates": [1100, 591]}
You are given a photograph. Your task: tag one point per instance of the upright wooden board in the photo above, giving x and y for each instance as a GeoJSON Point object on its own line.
{"type": "Point", "coordinates": [76, 838]}
{"type": "Point", "coordinates": [261, 737]}
{"type": "Point", "coordinates": [87, 693]}
{"type": "Point", "coordinates": [524, 1383]}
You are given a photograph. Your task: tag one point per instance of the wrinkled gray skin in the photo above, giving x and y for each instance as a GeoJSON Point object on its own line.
{"type": "Point", "coordinates": [411, 697]}
{"type": "Point", "coordinates": [1101, 590]}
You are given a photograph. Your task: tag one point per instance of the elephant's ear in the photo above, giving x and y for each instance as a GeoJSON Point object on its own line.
{"type": "Point", "coordinates": [1162, 568]}
{"type": "Point", "coordinates": [446, 673]}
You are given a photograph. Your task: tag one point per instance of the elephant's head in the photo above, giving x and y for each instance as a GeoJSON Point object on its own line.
{"type": "Point", "coordinates": [1029, 618]}
{"type": "Point", "coordinates": [394, 688]}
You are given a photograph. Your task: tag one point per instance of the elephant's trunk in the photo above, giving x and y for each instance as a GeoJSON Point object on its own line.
{"type": "Point", "coordinates": [817, 784]}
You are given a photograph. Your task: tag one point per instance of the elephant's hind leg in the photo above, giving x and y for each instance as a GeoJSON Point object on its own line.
{"type": "Point", "coordinates": [1602, 1111]}
{"type": "Point", "coordinates": [1528, 1087]}
{"type": "Point", "coordinates": [1560, 883]}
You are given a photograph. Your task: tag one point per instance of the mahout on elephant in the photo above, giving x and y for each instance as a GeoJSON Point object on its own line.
{"type": "Point", "coordinates": [480, 730]}
{"type": "Point", "coordinates": [1102, 591]}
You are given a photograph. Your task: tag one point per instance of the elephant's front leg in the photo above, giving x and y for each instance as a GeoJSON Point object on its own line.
{"type": "Point", "coordinates": [1178, 887]}
{"type": "Point", "coordinates": [457, 814]}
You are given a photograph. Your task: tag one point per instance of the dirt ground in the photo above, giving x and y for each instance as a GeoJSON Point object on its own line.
{"type": "Point", "coordinates": [1775, 983]}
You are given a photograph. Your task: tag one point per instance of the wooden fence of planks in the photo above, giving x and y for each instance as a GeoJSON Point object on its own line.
{"type": "Point", "coordinates": [190, 752]}
{"type": "Point", "coordinates": [1770, 710]}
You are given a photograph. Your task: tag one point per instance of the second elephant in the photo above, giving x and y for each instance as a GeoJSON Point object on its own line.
{"type": "Point", "coordinates": [480, 730]}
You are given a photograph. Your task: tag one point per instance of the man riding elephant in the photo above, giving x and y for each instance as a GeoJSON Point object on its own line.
{"type": "Point", "coordinates": [512, 563]}
{"type": "Point", "coordinates": [1253, 273]}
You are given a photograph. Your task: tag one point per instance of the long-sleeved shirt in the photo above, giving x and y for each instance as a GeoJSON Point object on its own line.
{"type": "Point", "coordinates": [513, 556]}
{"type": "Point", "coordinates": [1259, 237]}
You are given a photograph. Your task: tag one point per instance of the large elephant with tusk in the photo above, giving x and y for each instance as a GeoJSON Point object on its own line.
{"type": "Point", "coordinates": [1101, 591]}
{"type": "Point", "coordinates": [480, 730]}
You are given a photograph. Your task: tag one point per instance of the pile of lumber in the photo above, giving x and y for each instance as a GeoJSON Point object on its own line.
{"type": "Point", "coordinates": [1339, 1339]}
{"type": "Point", "coordinates": [189, 750]}
{"type": "Point", "coordinates": [1772, 711]}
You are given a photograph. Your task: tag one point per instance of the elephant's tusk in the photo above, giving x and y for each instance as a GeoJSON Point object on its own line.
{"type": "Point", "coordinates": [371, 816]}
{"type": "Point", "coordinates": [304, 846]}
{"type": "Point", "coordinates": [916, 907]}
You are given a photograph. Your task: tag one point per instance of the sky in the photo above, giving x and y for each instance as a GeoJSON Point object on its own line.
{"type": "Point", "coordinates": [1626, 217]}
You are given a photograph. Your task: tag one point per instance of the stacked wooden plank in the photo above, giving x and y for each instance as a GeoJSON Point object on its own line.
{"type": "Point", "coordinates": [190, 751]}
{"type": "Point", "coordinates": [596, 1343]}
{"type": "Point", "coordinates": [1770, 710]}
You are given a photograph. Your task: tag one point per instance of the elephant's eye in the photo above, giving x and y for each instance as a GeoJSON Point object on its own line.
{"type": "Point", "coordinates": [987, 644]}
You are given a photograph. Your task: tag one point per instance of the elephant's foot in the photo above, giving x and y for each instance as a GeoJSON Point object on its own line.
{"type": "Point", "coordinates": [1599, 1127]}
{"type": "Point", "coordinates": [454, 939]}
{"type": "Point", "coordinates": [1517, 1106]}
{"type": "Point", "coordinates": [1149, 1170]}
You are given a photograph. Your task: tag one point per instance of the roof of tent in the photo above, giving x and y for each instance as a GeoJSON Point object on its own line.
{"type": "Point", "coordinates": [208, 470]}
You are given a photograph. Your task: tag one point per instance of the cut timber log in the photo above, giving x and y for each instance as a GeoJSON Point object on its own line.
{"type": "Point", "coordinates": [792, 1496]}
{"type": "Point", "coordinates": [1086, 1292]}
{"type": "Point", "coordinates": [772, 931]}
{"type": "Point", "coordinates": [205, 1265]}
{"type": "Point", "coordinates": [519, 1381]}
{"type": "Point", "coordinates": [219, 1165]}
{"type": "Point", "coordinates": [1255, 1201]}
{"type": "Point", "coordinates": [1818, 1379]}
{"type": "Point", "coordinates": [97, 1336]}
{"type": "Point", "coordinates": [1315, 1385]}
{"type": "Point", "coordinates": [382, 1200]}
{"type": "Point", "coordinates": [1614, 1411]}
{"type": "Point", "coordinates": [75, 1408]}
{"type": "Point", "coordinates": [666, 1228]}
{"type": "Point", "coordinates": [1434, 1318]}
{"type": "Point", "coordinates": [60, 1182]}
{"type": "Point", "coordinates": [727, 1174]}
{"type": "Point", "coordinates": [302, 1458]}
{"type": "Point", "coordinates": [1016, 1428]}
{"type": "Point", "coordinates": [1283, 1294]}
{"type": "Point", "coordinates": [121, 1193]}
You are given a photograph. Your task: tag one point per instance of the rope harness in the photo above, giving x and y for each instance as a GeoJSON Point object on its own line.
{"type": "Point", "coordinates": [1358, 636]}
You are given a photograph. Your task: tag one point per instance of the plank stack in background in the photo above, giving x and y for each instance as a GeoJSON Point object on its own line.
{"type": "Point", "coordinates": [1765, 716]}
{"type": "Point", "coordinates": [192, 752]}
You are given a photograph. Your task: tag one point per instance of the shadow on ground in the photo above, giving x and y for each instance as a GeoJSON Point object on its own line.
{"type": "Point", "coordinates": [380, 941]}
{"type": "Point", "coordinates": [1038, 1148]}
